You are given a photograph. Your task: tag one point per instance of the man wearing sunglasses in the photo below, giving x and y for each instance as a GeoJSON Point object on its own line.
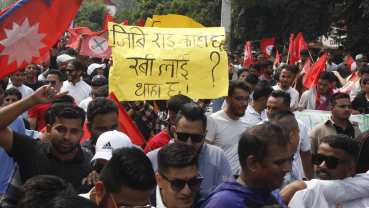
{"type": "Point", "coordinates": [178, 178]}
{"type": "Point", "coordinates": [190, 128]}
{"type": "Point", "coordinates": [334, 161]}
{"type": "Point", "coordinates": [37, 112]}
{"type": "Point", "coordinates": [264, 160]}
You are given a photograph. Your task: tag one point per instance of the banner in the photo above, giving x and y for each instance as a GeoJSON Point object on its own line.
{"type": "Point", "coordinates": [153, 63]}
{"type": "Point", "coordinates": [172, 21]}
{"type": "Point", "coordinates": [95, 46]}
{"type": "Point", "coordinates": [311, 118]}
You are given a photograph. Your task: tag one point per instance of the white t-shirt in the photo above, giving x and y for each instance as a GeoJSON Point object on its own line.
{"type": "Point", "coordinates": [84, 103]}
{"type": "Point", "coordinates": [79, 92]}
{"type": "Point", "coordinates": [254, 117]}
{"type": "Point", "coordinates": [294, 95]}
{"type": "Point", "coordinates": [304, 145]}
{"type": "Point", "coordinates": [225, 132]}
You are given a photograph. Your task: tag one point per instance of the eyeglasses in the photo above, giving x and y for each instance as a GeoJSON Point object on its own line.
{"type": "Point", "coordinates": [195, 138]}
{"type": "Point", "coordinates": [70, 70]}
{"type": "Point", "coordinates": [242, 99]}
{"type": "Point", "coordinates": [260, 57]}
{"type": "Point", "coordinates": [147, 206]}
{"type": "Point", "coordinates": [53, 82]}
{"type": "Point", "coordinates": [330, 161]}
{"type": "Point", "coordinates": [178, 184]}
{"type": "Point", "coordinates": [98, 167]}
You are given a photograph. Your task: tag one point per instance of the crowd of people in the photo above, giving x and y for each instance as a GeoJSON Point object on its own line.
{"type": "Point", "coordinates": [246, 149]}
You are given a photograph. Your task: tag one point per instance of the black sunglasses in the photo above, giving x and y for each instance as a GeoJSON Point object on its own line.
{"type": "Point", "coordinates": [70, 70]}
{"type": "Point", "coordinates": [330, 161]}
{"type": "Point", "coordinates": [178, 184]}
{"type": "Point", "coordinates": [195, 138]}
{"type": "Point", "coordinates": [98, 167]}
{"type": "Point", "coordinates": [53, 82]}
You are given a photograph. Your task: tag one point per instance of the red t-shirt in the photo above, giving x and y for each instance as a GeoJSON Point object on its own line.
{"type": "Point", "coordinates": [38, 111]}
{"type": "Point", "coordinates": [158, 141]}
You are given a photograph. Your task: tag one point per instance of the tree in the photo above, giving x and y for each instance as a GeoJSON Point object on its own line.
{"type": "Point", "coordinates": [255, 20]}
{"type": "Point", "coordinates": [125, 4]}
{"type": "Point", "coordinates": [91, 15]}
{"type": "Point", "coordinates": [123, 15]}
{"type": "Point", "coordinates": [206, 12]}
{"type": "Point", "coordinates": [6, 3]}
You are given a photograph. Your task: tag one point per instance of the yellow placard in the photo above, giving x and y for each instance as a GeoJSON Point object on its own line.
{"type": "Point", "coordinates": [172, 21]}
{"type": "Point", "coordinates": [157, 63]}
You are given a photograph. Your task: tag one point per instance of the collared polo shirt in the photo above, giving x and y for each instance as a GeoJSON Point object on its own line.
{"type": "Point", "coordinates": [37, 158]}
{"type": "Point", "coordinates": [253, 116]}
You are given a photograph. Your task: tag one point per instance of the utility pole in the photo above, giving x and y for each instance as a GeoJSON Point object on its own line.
{"type": "Point", "coordinates": [226, 20]}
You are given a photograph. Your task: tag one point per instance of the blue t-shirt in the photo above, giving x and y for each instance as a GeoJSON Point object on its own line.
{"type": "Point", "coordinates": [7, 163]}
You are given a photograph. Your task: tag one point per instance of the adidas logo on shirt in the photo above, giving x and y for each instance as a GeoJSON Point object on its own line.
{"type": "Point", "coordinates": [107, 146]}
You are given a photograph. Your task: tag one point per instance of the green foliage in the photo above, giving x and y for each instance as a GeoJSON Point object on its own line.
{"type": "Point", "coordinates": [6, 3]}
{"type": "Point", "coordinates": [125, 4]}
{"type": "Point", "coordinates": [123, 15]}
{"type": "Point", "coordinates": [91, 15]}
{"type": "Point", "coordinates": [206, 12]}
{"type": "Point", "coordinates": [255, 20]}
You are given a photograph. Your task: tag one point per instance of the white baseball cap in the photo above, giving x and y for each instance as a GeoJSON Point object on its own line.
{"type": "Point", "coordinates": [92, 67]}
{"type": "Point", "coordinates": [109, 141]}
{"type": "Point", "coordinates": [64, 58]}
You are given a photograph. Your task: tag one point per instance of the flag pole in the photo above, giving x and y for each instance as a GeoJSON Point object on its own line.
{"type": "Point", "coordinates": [288, 57]}
{"type": "Point", "coordinates": [311, 56]}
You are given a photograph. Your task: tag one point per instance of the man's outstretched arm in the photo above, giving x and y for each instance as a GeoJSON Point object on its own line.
{"type": "Point", "coordinates": [8, 114]}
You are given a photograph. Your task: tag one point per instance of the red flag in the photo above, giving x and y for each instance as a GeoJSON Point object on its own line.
{"type": "Point", "coordinates": [108, 18]}
{"type": "Point", "coordinates": [126, 124]}
{"type": "Point", "coordinates": [74, 35]}
{"type": "Point", "coordinates": [95, 46]}
{"type": "Point", "coordinates": [312, 74]}
{"type": "Point", "coordinates": [125, 22]}
{"type": "Point", "coordinates": [300, 44]}
{"type": "Point", "coordinates": [267, 46]}
{"type": "Point", "coordinates": [349, 84]}
{"type": "Point", "coordinates": [292, 50]}
{"type": "Point", "coordinates": [43, 58]}
{"type": "Point", "coordinates": [349, 62]}
{"type": "Point", "coordinates": [26, 35]}
{"type": "Point", "coordinates": [248, 56]}
{"type": "Point", "coordinates": [141, 23]}
{"type": "Point", "coordinates": [304, 69]}
{"type": "Point", "coordinates": [277, 59]}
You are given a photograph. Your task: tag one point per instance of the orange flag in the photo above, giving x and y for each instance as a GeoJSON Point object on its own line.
{"type": "Point", "coordinates": [311, 77]}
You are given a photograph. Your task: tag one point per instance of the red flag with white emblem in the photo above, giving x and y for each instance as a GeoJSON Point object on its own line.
{"type": "Point", "coordinates": [95, 46]}
{"type": "Point", "coordinates": [248, 56]}
{"type": "Point", "coordinates": [267, 46]}
{"type": "Point", "coordinates": [349, 84]}
{"type": "Point", "coordinates": [30, 28]}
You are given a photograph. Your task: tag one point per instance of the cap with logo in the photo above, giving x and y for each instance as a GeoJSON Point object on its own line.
{"type": "Point", "coordinates": [359, 56]}
{"type": "Point", "coordinates": [92, 67]}
{"type": "Point", "coordinates": [109, 141]}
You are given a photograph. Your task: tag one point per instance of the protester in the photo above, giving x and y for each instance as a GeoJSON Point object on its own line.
{"type": "Point", "coordinates": [299, 86]}
{"type": "Point", "coordinates": [268, 70]}
{"type": "Point", "coordinates": [242, 74]}
{"type": "Point", "coordinates": [361, 101]}
{"type": "Point", "coordinates": [335, 162]}
{"type": "Point", "coordinates": [279, 100]}
{"type": "Point", "coordinates": [71, 201]}
{"type": "Point", "coordinates": [318, 97]}
{"type": "Point", "coordinates": [102, 116]}
{"type": "Point", "coordinates": [255, 68]}
{"type": "Point", "coordinates": [361, 73]}
{"type": "Point", "coordinates": [342, 68]}
{"type": "Point", "coordinates": [178, 178]}
{"type": "Point", "coordinates": [256, 111]}
{"type": "Point", "coordinates": [332, 66]}
{"type": "Point", "coordinates": [225, 126]}
{"type": "Point", "coordinates": [17, 79]}
{"type": "Point", "coordinates": [338, 123]}
{"type": "Point", "coordinates": [38, 191]}
{"type": "Point", "coordinates": [287, 122]}
{"type": "Point", "coordinates": [76, 87]}
{"type": "Point", "coordinates": [252, 80]}
{"type": "Point", "coordinates": [261, 57]}
{"type": "Point", "coordinates": [190, 129]}
{"type": "Point", "coordinates": [286, 79]}
{"type": "Point", "coordinates": [264, 160]}
{"type": "Point", "coordinates": [37, 112]}
{"type": "Point", "coordinates": [11, 96]}
{"type": "Point", "coordinates": [7, 163]}
{"type": "Point", "coordinates": [304, 55]}
{"type": "Point", "coordinates": [254, 56]}
{"type": "Point", "coordinates": [362, 164]}
{"type": "Point", "coordinates": [95, 86]}
{"type": "Point", "coordinates": [31, 75]}
{"type": "Point", "coordinates": [126, 180]}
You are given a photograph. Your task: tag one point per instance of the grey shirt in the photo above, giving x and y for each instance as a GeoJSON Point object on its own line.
{"type": "Point", "coordinates": [213, 165]}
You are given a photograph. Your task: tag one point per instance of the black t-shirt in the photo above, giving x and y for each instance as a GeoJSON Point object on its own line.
{"type": "Point", "coordinates": [361, 104]}
{"type": "Point", "coordinates": [349, 131]}
{"type": "Point", "coordinates": [34, 86]}
{"type": "Point", "coordinates": [36, 158]}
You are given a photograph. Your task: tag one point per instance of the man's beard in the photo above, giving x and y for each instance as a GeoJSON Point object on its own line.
{"type": "Point", "coordinates": [317, 172]}
{"type": "Point", "coordinates": [57, 146]}
{"type": "Point", "coordinates": [73, 77]}
{"type": "Point", "coordinates": [234, 112]}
